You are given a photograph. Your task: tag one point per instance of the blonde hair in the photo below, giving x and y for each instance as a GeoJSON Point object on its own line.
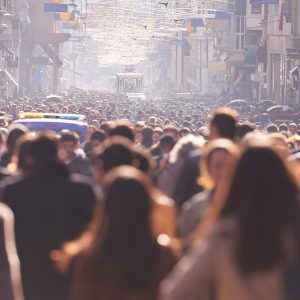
{"type": "Point", "coordinates": [184, 146]}
{"type": "Point", "coordinates": [226, 145]}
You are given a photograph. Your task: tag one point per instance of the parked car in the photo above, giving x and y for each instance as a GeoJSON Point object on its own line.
{"type": "Point", "coordinates": [267, 104]}
{"type": "Point", "coordinates": [54, 122]}
{"type": "Point", "coordinates": [281, 112]}
{"type": "Point", "coordinates": [238, 103]}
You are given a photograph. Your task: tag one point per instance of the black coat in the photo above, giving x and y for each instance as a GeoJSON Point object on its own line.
{"type": "Point", "coordinates": [50, 208]}
{"type": "Point", "coordinates": [187, 185]}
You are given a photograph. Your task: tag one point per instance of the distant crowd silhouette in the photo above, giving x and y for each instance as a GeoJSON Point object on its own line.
{"type": "Point", "coordinates": [167, 199]}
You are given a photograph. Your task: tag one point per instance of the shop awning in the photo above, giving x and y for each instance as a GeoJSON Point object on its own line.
{"type": "Point", "coordinates": [264, 1]}
{"type": "Point", "coordinates": [51, 38]}
{"type": "Point", "coordinates": [251, 57]}
{"type": "Point", "coordinates": [236, 58]}
{"type": "Point", "coordinates": [11, 78]}
{"type": "Point", "coordinates": [294, 71]}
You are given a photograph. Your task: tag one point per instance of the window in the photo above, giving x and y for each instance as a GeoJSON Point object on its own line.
{"type": "Point", "coordinates": [239, 33]}
{"type": "Point", "coordinates": [8, 5]}
{"type": "Point", "coordinates": [256, 9]}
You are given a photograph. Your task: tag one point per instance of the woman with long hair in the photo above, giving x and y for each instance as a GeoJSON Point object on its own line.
{"type": "Point", "coordinates": [121, 256]}
{"type": "Point", "coordinates": [212, 164]}
{"type": "Point", "coordinates": [167, 179]}
{"type": "Point", "coordinates": [250, 239]}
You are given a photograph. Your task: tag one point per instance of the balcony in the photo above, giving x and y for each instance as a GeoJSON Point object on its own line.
{"type": "Point", "coordinates": [7, 8]}
{"type": "Point", "coordinates": [221, 5]}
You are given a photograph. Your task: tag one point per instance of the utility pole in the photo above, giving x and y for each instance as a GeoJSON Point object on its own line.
{"type": "Point", "coordinates": [19, 55]}
{"type": "Point", "coordinates": [296, 38]}
{"type": "Point", "coordinates": [55, 68]}
{"type": "Point", "coordinates": [200, 65]}
{"type": "Point", "coordinates": [269, 67]}
{"type": "Point", "coordinates": [74, 56]}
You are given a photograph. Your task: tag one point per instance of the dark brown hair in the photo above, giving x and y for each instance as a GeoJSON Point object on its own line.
{"type": "Point", "coordinates": [125, 238]}
{"type": "Point", "coordinates": [117, 151]}
{"type": "Point", "coordinates": [263, 196]}
{"type": "Point", "coordinates": [122, 128]}
{"type": "Point", "coordinates": [122, 233]}
{"type": "Point", "coordinates": [225, 120]}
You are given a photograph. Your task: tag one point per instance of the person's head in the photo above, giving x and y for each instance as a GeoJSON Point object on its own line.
{"type": "Point", "coordinates": [127, 193]}
{"type": "Point", "coordinates": [242, 130]}
{"type": "Point", "coordinates": [204, 132]}
{"type": "Point", "coordinates": [172, 131]}
{"type": "Point", "coordinates": [122, 232]}
{"type": "Point", "coordinates": [138, 131]}
{"type": "Point", "coordinates": [157, 133]}
{"type": "Point", "coordinates": [216, 156]}
{"type": "Point", "coordinates": [143, 160]}
{"type": "Point", "coordinates": [147, 136]}
{"type": "Point", "coordinates": [122, 128]}
{"type": "Point", "coordinates": [184, 147]}
{"type": "Point", "coordinates": [223, 124]}
{"type": "Point", "coordinates": [97, 139]}
{"type": "Point", "coordinates": [281, 143]}
{"type": "Point", "coordinates": [68, 143]}
{"type": "Point", "coordinates": [90, 130]}
{"type": "Point", "coordinates": [262, 196]}
{"type": "Point", "coordinates": [272, 128]}
{"type": "Point", "coordinates": [3, 138]}
{"type": "Point", "coordinates": [116, 151]}
{"type": "Point", "coordinates": [152, 121]}
{"type": "Point", "coordinates": [3, 122]}
{"type": "Point", "coordinates": [293, 128]}
{"type": "Point", "coordinates": [106, 126]}
{"type": "Point", "coordinates": [43, 149]}
{"type": "Point", "coordinates": [184, 131]}
{"type": "Point", "coordinates": [14, 134]}
{"type": "Point", "coordinates": [283, 127]}
{"type": "Point", "coordinates": [21, 159]}
{"type": "Point", "coordinates": [166, 144]}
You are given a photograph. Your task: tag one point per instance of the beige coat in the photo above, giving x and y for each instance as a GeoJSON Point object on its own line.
{"type": "Point", "coordinates": [10, 280]}
{"type": "Point", "coordinates": [210, 261]}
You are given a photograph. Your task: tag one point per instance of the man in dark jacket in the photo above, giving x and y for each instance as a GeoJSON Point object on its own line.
{"type": "Point", "coordinates": [50, 208]}
{"type": "Point", "coordinates": [75, 162]}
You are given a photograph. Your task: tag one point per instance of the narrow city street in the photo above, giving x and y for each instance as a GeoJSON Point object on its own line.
{"type": "Point", "coordinates": [149, 149]}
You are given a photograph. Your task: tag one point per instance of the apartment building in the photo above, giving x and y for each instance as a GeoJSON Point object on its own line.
{"type": "Point", "coordinates": [12, 13]}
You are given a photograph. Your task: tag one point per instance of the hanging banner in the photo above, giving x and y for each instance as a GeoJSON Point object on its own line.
{"type": "Point", "coordinates": [264, 1]}
{"type": "Point", "coordinates": [52, 7]}
{"type": "Point", "coordinates": [197, 22]}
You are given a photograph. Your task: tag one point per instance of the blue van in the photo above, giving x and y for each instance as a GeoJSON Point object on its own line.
{"type": "Point", "coordinates": [55, 124]}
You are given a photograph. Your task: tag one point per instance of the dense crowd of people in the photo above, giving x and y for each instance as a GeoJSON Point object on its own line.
{"type": "Point", "coordinates": [167, 199]}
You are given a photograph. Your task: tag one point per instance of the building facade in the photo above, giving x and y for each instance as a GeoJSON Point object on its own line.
{"type": "Point", "coordinates": [254, 54]}
{"type": "Point", "coordinates": [12, 13]}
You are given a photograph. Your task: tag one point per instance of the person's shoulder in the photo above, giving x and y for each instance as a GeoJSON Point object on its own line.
{"type": "Point", "coordinates": [12, 180]}
{"type": "Point", "coordinates": [80, 180]}
{"type": "Point", "coordinates": [195, 154]}
{"type": "Point", "coordinates": [85, 183]}
{"type": "Point", "coordinates": [80, 159]}
{"type": "Point", "coordinates": [165, 248]}
{"type": "Point", "coordinates": [12, 184]}
{"type": "Point", "coordinates": [6, 214]}
{"type": "Point", "coordinates": [167, 256]}
{"type": "Point", "coordinates": [197, 200]}
{"type": "Point", "coordinates": [224, 228]}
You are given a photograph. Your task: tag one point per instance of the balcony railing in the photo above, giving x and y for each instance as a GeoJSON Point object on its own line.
{"type": "Point", "coordinates": [6, 6]}
{"type": "Point", "coordinates": [222, 5]}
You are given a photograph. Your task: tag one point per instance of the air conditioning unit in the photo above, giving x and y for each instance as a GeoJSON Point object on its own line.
{"type": "Point", "coordinates": [3, 26]}
{"type": "Point", "coordinates": [255, 77]}
{"type": "Point", "coordinates": [2, 64]}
